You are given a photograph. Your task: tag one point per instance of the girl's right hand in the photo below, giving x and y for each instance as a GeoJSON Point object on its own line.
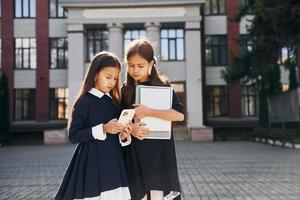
{"type": "Point", "coordinates": [139, 130]}
{"type": "Point", "coordinates": [113, 127]}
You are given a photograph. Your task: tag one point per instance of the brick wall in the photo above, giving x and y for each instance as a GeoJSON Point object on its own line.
{"type": "Point", "coordinates": [42, 71]}
{"type": "Point", "coordinates": [233, 30]}
{"type": "Point", "coordinates": [7, 40]}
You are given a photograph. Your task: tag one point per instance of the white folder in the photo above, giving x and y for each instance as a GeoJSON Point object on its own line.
{"type": "Point", "coordinates": [156, 97]}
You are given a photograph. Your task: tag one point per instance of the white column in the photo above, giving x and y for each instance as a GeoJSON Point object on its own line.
{"type": "Point", "coordinates": [76, 60]}
{"type": "Point", "coordinates": [116, 43]}
{"type": "Point", "coordinates": [153, 33]}
{"type": "Point", "coordinates": [194, 82]}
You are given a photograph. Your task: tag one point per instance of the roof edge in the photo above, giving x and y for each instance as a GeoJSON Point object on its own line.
{"type": "Point", "coordinates": [70, 3]}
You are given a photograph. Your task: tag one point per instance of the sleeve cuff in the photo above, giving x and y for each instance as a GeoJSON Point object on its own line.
{"type": "Point", "coordinates": [126, 142]}
{"type": "Point", "coordinates": [98, 133]}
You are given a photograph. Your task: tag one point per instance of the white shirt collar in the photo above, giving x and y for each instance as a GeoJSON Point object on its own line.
{"type": "Point", "coordinates": [98, 93]}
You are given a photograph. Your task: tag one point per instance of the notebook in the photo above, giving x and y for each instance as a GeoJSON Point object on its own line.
{"type": "Point", "coordinates": [156, 97]}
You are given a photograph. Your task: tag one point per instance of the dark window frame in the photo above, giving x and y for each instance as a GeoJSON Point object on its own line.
{"type": "Point", "coordinates": [245, 3]}
{"type": "Point", "coordinates": [223, 101]}
{"type": "Point", "coordinates": [53, 98]}
{"type": "Point", "coordinates": [131, 38]}
{"type": "Point", "coordinates": [210, 13]}
{"type": "Point", "coordinates": [291, 55]}
{"type": "Point", "coordinates": [182, 98]}
{"type": "Point", "coordinates": [169, 43]}
{"type": "Point", "coordinates": [245, 45]}
{"type": "Point", "coordinates": [65, 12]}
{"type": "Point", "coordinates": [94, 40]}
{"type": "Point", "coordinates": [22, 9]}
{"type": "Point", "coordinates": [22, 53]}
{"type": "Point", "coordinates": [246, 99]}
{"type": "Point", "coordinates": [219, 47]}
{"type": "Point", "coordinates": [30, 99]}
{"type": "Point", "coordinates": [65, 55]}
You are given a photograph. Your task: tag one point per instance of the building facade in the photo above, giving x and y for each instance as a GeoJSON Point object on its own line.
{"type": "Point", "coordinates": [46, 47]}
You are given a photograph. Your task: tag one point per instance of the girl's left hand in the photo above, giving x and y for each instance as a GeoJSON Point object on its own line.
{"type": "Point", "coordinates": [126, 131]}
{"type": "Point", "coordinates": [141, 111]}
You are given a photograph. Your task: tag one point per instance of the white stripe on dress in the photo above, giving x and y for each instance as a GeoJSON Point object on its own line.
{"type": "Point", "coordinates": [121, 193]}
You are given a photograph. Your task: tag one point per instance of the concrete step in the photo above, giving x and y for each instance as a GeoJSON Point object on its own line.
{"type": "Point", "coordinates": [181, 133]}
{"type": "Point", "coordinates": [58, 136]}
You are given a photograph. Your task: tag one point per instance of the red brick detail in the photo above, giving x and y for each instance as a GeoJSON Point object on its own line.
{"type": "Point", "coordinates": [235, 104]}
{"type": "Point", "coordinates": [7, 59]}
{"type": "Point", "coordinates": [233, 37]}
{"type": "Point", "coordinates": [42, 71]}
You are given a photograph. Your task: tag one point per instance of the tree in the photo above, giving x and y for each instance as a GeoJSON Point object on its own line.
{"type": "Point", "coordinates": [5, 133]}
{"type": "Point", "coordinates": [275, 24]}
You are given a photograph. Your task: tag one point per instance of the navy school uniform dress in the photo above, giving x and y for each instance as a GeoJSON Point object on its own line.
{"type": "Point", "coordinates": [151, 163]}
{"type": "Point", "coordinates": [96, 170]}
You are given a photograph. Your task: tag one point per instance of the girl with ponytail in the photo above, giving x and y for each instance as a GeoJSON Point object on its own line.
{"type": "Point", "coordinates": [151, 163]}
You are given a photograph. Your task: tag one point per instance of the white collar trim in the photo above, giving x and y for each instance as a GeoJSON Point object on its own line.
{"type": "Point", "coordinates": [98, 93]}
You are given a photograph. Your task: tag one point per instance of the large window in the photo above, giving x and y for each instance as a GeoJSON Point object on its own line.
{"type": "Point", "coordinates": [56, 10]}
{"type": "Point", "coordinates": [245, 44]}
{"type": "Point", "coordinates": [132, 34]}
{"type": "Point", "coordinates": [58, 53]}
{"type": "Point", "coordinates": [25, 53]}
{"type": "Point", "coordinates": [249, 101]}
{"type": "Point", "coordinates": [24, 104]}
{"type": "Point", "coordinates": [216, 50]}
{"type": "Point", "coordinates": [59, 103]}
{"type": "Point", "coordinates": [215, 7]}
{"type": "Point", "coordinates": [179, 88]}
{"type": "Point", "coordinates": [172, 44]}
{"type": "Point", "coordinates": [97, 40]}
{"type": "Point", "coordinates": [217, 100]}
{"type": "Point", "coordinates": [25, 8]}
{"type": "Point", "coordinates": [244, 4]}
{"type": "Point", "coordinates": [287, 53]}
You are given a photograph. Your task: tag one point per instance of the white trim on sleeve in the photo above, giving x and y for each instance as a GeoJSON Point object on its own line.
{"type": "Point", "coordinates": [98, 133]}
{"type": "Point", "coordinates": [127, 142]}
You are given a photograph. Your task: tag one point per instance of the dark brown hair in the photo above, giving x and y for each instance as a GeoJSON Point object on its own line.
{"type": "Point", "coordinates": [144, 48]}
{"type": "Point", "coordinates": [100, 61]}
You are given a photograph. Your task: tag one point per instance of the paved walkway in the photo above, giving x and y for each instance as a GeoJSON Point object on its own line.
{"type": "Point", "coordinates": [219, 170]}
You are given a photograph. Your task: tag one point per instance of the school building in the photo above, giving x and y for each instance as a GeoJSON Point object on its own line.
{"type": "Point", "coordinates": [46, 46]}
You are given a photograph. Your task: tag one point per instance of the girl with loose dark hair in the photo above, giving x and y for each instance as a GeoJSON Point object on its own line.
{"type": "Point", "coordinates": [151, 163]}
{"type": "Point", "coordinates": [97, 169]}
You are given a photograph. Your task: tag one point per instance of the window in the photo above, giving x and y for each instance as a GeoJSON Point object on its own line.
{"type": "Point", "coordinates": [244, 4]}
{"type": "Point", "coordinates": [58, 53]}
{"type": "Point", "coordinates": [215, 7]}
{"type": "Point", "coordinates": [217, 97]}
{"type": "Point", "coordinates": [216, 50]}
{"type": "Point", "coordinates": [25, 8]}
{"type": "Point", "coordinates": [24, 104]}
{"type": "Point", "coordinates": [172, 44]}
{"type": "Point", "coordinates": [56, 10]}
{"type": "Point", "coordinates": [287, 53]}
{"type": "Point", "coordinates": [59, 103]}
{"type": "Point", "coordinates": [179, 88]}
{"type": "Point", "coordinates": [97, 40]}
{"type": "Point", "coordinates": [249, 101]}
{"type": "Point", "coordinates": [25, 53]}
{"type": "Point", "coordinates": [245, 44]}
{"type": "Point", "coordinates": [132, 34]}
